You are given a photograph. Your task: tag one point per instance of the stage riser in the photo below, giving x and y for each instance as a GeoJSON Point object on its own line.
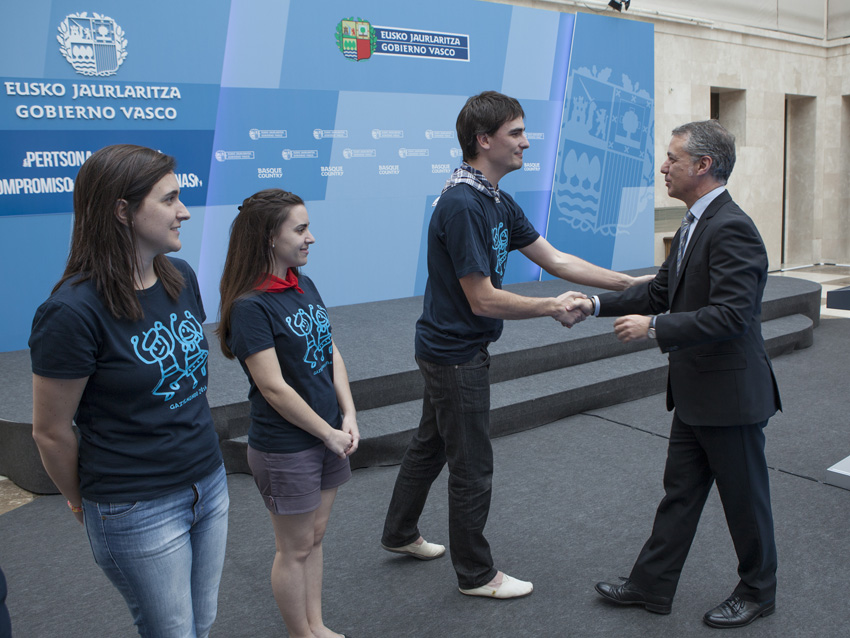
{"type": "Point", "coordinates": [387, 385]}
{"type": "Point", "coordinates": [547, 397]}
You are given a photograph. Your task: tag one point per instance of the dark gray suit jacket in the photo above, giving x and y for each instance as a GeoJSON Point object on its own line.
{"type": "Point", "coordinates": [719, 371]}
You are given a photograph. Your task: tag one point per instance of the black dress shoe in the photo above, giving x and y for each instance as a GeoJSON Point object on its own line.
{"type": "Point", "coordinates": [737, 612]}
{"type": "Point", "coordinates": [627, 593]}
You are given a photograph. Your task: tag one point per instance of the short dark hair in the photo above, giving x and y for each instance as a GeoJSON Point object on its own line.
{"type": "Point", "coordinates": [710, 138]}
{"type": "Point", "coordinates": [484, 114]}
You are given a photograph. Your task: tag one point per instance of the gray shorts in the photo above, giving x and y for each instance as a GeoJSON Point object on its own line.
{"type": "Point", "coordinates": [292, 483]}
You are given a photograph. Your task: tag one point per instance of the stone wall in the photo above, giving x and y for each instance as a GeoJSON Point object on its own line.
{"type": "Point", "coordinates": [768, 84]}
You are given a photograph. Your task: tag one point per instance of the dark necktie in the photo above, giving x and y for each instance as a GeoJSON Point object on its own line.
{"type": "Point", "coordinates": [687, 220]}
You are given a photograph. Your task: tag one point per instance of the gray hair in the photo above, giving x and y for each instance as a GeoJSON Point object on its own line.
{"type": "Point", "coordinates": [710, 138]}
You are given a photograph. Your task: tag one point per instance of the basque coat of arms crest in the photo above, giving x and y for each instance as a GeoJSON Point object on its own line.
{"type": "Point", "coordinates": [94, 46]}
{"type": "Point", "coordinates": [355, 39]}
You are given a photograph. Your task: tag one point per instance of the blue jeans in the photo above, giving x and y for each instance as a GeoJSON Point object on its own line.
{"type": "Point", "coordinates": [455, 428]}
{"type": "Point", "coordinates": [165, 555]}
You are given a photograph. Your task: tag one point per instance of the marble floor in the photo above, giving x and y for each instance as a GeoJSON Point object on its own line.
{"type": "Point", "coordinates": [12, 496]}
{"type": "Point", "coordinates": [828, 276]}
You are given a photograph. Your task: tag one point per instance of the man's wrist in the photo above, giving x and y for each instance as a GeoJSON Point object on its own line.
{"type": "Point", "coordinates": [651, 331]}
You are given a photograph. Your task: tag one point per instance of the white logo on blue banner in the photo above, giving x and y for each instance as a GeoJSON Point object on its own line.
{"type": "Point", "coordinates": [92, 45]}
{"type": "Point", "coordinates": [378, 134]}
{"type": "Point", "coordinates": [223, 156]}
{"type": "Point", "coordinates": [321, 134]}
{"type": "Point", "coordinates": [257, 134]}
{"type": "Point", "coordinates": [431, 134]}
{"type": "Point", "coordinates": [289, 154]}
{"type": "Point", "coordinates": [612, 124]}
{"type": "Point", "coordinates": [421, 44]}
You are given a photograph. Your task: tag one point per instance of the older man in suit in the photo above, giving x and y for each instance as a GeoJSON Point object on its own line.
{"type": "Point", "coordinates": [720, 382]}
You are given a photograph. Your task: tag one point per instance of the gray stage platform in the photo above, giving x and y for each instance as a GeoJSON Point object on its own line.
{"type": "Point", "coordinates": [573, 502]}
{"type": "Point", "coordinates": [541, 372]}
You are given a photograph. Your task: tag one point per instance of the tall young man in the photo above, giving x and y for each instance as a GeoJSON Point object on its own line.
{"type": "Point", "coordinates": [473, 228]}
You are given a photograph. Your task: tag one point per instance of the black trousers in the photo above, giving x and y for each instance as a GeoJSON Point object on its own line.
{"type": "Point", "coordinates": [697, 457]}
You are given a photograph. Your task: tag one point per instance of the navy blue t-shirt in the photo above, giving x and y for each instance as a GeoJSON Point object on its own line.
{"type": "Point", "coordinates": [145, 424]}
{"type": "Point", "coordinates": [469, 232]}
{"type": "Point", "coordinates": [297, 326]}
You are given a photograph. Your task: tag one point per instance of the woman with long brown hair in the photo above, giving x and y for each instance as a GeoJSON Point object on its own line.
{"type": "Point", "coordinates": [303, 423]}
{"type": "Point", "coordinates": [119, 349]}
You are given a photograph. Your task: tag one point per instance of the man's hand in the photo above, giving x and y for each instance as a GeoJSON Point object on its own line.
{"type": "Point", "coordinates": [569, 318]}
{"type": "Point", "coordinates": [631, 328]}
{"type": "Point", "coordinates": [576, 308]}
{"type": "Point", "coordinates": [585, 305]}
{"type": "Point", "coordinates": [572, 300]}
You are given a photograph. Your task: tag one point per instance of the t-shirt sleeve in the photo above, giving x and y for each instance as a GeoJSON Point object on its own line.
{"type": "Point", "coordinates": [250, 329]}
{"type": "Point", "coordinates": [522, 232]}
{"type": "Point", "coordinates": [63, 345]}
{"type": "Point", "coordinates": [466, 242]}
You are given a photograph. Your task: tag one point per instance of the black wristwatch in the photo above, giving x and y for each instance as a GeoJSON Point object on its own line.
{"type": "Point", "coordinates": [651, 332]}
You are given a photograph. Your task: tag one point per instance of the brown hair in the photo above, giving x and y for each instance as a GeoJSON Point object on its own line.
{"type": "Point", "coordinates": [249, 253]}
{"type": "Point", "coordinates": [102, 247]}
{"type": "Point", "coordinates": [484, 114]}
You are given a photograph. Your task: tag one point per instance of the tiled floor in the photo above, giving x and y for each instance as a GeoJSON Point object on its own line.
{"type": "Point", "coordinates": [829, 277]}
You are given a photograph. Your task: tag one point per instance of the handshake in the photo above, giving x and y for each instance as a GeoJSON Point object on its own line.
{"type": "Point", "coordinates": [575, 307]}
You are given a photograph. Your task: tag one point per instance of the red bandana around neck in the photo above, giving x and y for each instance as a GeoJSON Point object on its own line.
{"type": "Point", "coordinates": [271, 283]}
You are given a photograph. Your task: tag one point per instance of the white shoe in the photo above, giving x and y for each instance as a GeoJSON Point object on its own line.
{"type": "Point", "coordinates": [510, 588]}
{"type": "Point", "coordinates": [423, 551]}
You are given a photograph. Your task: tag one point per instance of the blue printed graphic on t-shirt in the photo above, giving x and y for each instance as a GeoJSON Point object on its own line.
{"type": "Point", "coordinates": [158, 345]}
{"type": "Point", "coordinates": [501, 239]}
{"type": "Point", "coordinates": [315, 327]}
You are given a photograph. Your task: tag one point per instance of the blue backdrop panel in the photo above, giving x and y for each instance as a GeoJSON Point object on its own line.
{"type": "Point", "coordinates": [312, 35]}
{"type": "Point", "coordinates": [603, 187]}
{"type": "Point", "coordinates": [73, 80]}
{"type": "Point", "coordinates": [263, 139]}
{"type": "Point", "coordinates": [391, 148]}
{"type": "Point", "coordinates": [99, 106]}
{"type": "Point", "coordinates": [38, 172]}
{"type": "Point", "coordinates": [33, 250]}
{"type": "Point", "coordinates": [365, 137]}
{"type": "Point", "coordinates": [255, 41]}
{"type": "Point", "coordinates": [215, 236]}
{"type": "Point", "coordinates": [166, 41]}
{"type": "Point", "coordinates": [346, 241]}
{"type": "Point", "coordinates": [351, 107]}
{"type": "Point", "coordinates": [535, 205]}
{"type": "Point", "coordinates": [23, 47]}
{"type": "Point", "coordinates": [530, 61]}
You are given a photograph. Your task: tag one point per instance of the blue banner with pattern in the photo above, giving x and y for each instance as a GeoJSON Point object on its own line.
{"type": "Point", "coordinates": [602, 202]}
{"type": "Point", "coordinates": [351, 106]}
